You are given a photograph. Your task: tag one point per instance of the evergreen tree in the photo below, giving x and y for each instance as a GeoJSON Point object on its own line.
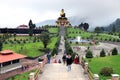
{"type": "Point", "coordinates": [114, 51]}
{"type": "Point", "coordinates": [45, 38]}
{"type": "Point", "coordinates": [31, 27]}
{"type": "Point", "coordinates": [85, 26]}
{"type": "Point", "coordinates": [89, 54]}
{"type": "Point", "coordinates": [119, 35]}
{"type": "Point", "coordinates": [1, 45]}
{"type": "Point", "coordinates": [97, 30]}
{"type": "Point", "coordinates": [81, 25]}
{"type": "Point", "coordinates": [102, 53]}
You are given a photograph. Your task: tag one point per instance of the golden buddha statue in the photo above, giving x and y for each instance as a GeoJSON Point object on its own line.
{"type": "Point", "coordinates": [62, 20]}
{"type": "Point", "coordinates": [62, 14]}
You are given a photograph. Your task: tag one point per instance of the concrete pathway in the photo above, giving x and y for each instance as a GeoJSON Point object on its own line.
{"type": "Point", "coordinates": [56, 71]}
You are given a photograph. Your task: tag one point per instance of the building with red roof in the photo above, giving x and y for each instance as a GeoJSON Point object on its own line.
{"type": "Point", "coordinates": [23, 27]}
{"type": "Point", "coordinates": [9, 60]}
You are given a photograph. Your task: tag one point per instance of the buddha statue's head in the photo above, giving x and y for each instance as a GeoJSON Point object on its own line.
{"type": "Point", "coordinates": [62, 14]}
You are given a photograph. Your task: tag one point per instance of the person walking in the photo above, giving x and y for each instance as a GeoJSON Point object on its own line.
{"type": "Point", "coordinates": [76, 60]}
{"type": "Point", "coordinates": [64, 58]}
{"type": "Point", "coordinates": [48, 57]}
{"type": "Point", "coordinates": [69, 62]}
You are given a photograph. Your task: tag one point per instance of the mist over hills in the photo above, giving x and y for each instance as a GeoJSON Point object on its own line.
{"type": "Point", "coordinates": [115, 24]}
{"type": "Point", "coordinates": [74, 20]}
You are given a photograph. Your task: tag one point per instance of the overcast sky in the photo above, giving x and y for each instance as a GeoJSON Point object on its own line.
{"type": "Point", "coordinates": [96, 12]}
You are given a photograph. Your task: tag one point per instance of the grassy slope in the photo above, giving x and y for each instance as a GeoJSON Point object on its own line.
{"type": "Point", "coordinates": [30, 49]}
{"type": "Point", "coordinates": [84, 34]}
{"type": "Point", "coordinates": [24, 76]}
{"type": "Point", "coordinates": [112, 61]}
{"type": "Point", "coordinates": [53, 30]}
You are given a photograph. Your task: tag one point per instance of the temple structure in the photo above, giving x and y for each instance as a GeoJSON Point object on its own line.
{"type": "Point", "coordinates": [9, 60]}
{"type": "Point", "coordinates": [62, 20]}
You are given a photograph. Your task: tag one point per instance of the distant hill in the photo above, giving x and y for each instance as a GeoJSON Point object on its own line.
{"type": "Point", "coordinates": [74, 20]}
{"type": "Point", "coordinates": [115, 24]}
{"type": "Point", "coordinates": [46, 22]}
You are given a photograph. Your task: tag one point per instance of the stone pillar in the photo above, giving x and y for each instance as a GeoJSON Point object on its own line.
{"type": "Point", "coordinates": [11, 62]}
{"type": "Point", "coordinates": [31, 76]}
{"type": "Point", "coordinates": [115, 77]}
{"type": "Point", "coordinates": [1, 65]}
{"type": "Point", "coordinates": [96, 77]}
{"type": "Point", "coordinates": [86, 68]}
{"type": "Point", "coordinates": [80, 60]}
{"type": "Point", "coordinates": [41, 65]}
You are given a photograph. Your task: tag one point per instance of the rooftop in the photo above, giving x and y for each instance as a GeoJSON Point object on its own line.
{"type": "Point", "coordinates": [8, 55]}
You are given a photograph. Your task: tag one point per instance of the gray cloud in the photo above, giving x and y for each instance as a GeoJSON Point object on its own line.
{"type": "Point", "coordinates": [96, 12]}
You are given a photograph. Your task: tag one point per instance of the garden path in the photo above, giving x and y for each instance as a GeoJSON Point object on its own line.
{"type": "Point", "coordinates": [58, 71]}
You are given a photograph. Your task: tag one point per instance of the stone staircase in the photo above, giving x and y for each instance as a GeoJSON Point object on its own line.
{"type": "Point", "coordinates": [56, 71]}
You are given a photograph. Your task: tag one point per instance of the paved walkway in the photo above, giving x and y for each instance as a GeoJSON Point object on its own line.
{"type": "Point", "coordinates": [56, 71]}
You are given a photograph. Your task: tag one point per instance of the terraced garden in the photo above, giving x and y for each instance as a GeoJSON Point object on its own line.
{"type": "Point", "coordinates": [95, 65]}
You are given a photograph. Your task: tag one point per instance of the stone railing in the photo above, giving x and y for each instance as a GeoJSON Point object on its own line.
{"type": "Point", "coordinates": [35, 75]}
{"type": "Point", "coordinates": [94, 76]}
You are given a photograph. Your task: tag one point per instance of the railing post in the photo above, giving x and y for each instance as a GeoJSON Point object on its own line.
{"type": "Point", "coordinates": [115, 77]}
{"type": "Point", "coordinates": [31, 76]}
{"type": "Point", "coordinates": [41, 65]}
{"type": "Point", "coordinates": [96, 77]}
{"type": "Point", "coordinates": [86, 68]}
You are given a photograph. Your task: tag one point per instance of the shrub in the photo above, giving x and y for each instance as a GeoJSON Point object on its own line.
{"type": "Point", "coordinates": [55, 51]}
{"type": "Point", "coordinates": [102, 53]}
{"type": "Point", "coordinates": [89, 54]}
{"type": "Point", "coordinates": [106, 71]}
{"type": "Point", "coordinates": [114, 51]}
{"type": "Point", "coordinates": [24, 41]}
{"type": "Point", "coordinates": [76, 42]}
{"type": "Point", "coordinates": [105, 39]}
{"type": "Point", "coordinates": [114, 40]}
{"type": "Point", "coordinates": [14, 39]}
{"type": "Point", "coordinates": [109, 39]}
{"type": "Point", "coordinates": [70, 42]}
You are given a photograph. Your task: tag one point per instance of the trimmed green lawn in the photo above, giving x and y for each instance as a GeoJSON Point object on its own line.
{"type": "Point", "coordinates": [30, 49]}
{"type": "Point", "coordinates": [53, 30]}
{"type": "Point", "coordinates": [96, 64]}
{"type": "Point", "coordinates": [20, 37]}
{"type": "Point", "coordinates": [24, 76]}
{"type": "Point", "coordinates": [74, 32]}
{"type": "Point", "coordinates": [77, 32]}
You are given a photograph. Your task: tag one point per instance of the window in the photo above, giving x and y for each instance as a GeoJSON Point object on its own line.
{"type": "Point", "coordinates": [6, 63]}
{"type": "Point", "coordinates": [15, 61]}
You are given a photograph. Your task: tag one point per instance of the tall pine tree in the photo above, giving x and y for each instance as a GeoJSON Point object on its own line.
{"type": "Point", "coordinates": [1, 45]}
{"type": "Point", "coordinates": [31, 27]}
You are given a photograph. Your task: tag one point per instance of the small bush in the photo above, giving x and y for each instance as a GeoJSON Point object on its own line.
{"type": "Point", "coordinates": [76, 42]}
{"type": "Point", "coordinates": [114, 51]}
{"type": "Point", "coordinates": [89, 54]}
{"type": "Point", "coordinates": [106, 71]}
{"type": "Point", "coordinates": [70, 42]}
{"type": "Point", "coordinates": [102, 53]}
{"type": "Point", "coordinates": [14, 39]}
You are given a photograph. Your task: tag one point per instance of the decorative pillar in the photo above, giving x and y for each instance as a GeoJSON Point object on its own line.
{"type": "Point", "coordinates": [115, 77]}
{"type": "Point", "coordinates": [86, 68]}
{"type": "Point", "coordinates": [80, 60]}
{"type": "Point", "coordinates": [96, 77]}
{"type": "Point", "coordinates": [11, 62]}
{"type": "Point", "coordinates": [41, 65]}
{"type": "Point", "coordinates": [1, 65]}
{"type": "Point", "coordinates": [31, 76]}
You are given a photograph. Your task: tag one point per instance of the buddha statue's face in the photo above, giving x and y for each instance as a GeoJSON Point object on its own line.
{"type": "Point", "coordinates": [62, 12]}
